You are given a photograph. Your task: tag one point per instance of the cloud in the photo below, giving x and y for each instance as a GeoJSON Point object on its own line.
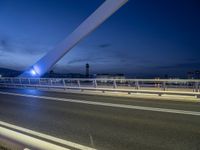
{"type": "Point", "coordinates": [89, 60]}
{"type": "Point", "coordinates": [19, 54]}
{"type": "Point", "coordinates": [105, 45]}
{"type": "Point", "coordinates": [17, 61]}
{"type": "Point", "coordinates": [22, 47]}
{"type": "Point", "coordinates": [78, 60]}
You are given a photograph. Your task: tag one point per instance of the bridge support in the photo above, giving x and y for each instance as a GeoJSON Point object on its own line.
{"type": "Point", "coordinates": [89, 25]}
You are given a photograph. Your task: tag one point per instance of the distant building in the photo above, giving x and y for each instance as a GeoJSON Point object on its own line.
{"type": "Point", "coordinates": [197, 74]}
{"type": "Point", "coordinates": [87, 70]}
{"type": "Point", "coordinates": [4, 72]}
{"type": "Point", "coordinates": [110, 76]}
{"type": "Point", "coordinates": [193, 75]}
{"type": "Point", "coordinates": [61, 75]}
{"type": "Point", "coordinates": [190, 75]}
{"type": "Point", "coordinates": [51, 74]}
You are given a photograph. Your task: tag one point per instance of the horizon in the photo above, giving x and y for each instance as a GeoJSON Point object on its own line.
{"type": "Point", "coordinates": [139, 75]}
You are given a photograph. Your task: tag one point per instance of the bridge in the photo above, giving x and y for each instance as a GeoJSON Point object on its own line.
{"type": "Point", "coordinates": [54, 113]}
{"type": "Point", "coordinates": [88, 114]}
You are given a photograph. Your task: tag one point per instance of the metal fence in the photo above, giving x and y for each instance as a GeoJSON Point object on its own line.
{"type": "Point", "coordinates": [152, 86]}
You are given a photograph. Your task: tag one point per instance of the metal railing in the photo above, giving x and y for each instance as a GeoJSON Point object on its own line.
{"type": "Point", "coordinates": [17, 140]}
{"type": "Point", "coordinates": [151, 86]}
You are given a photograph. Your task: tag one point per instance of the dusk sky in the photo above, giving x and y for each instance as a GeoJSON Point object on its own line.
{"type": "Point", "coordinates": [143, 37]}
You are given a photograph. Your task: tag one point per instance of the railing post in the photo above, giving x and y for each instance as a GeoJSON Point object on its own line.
{"type": "Point", "coordinates": [114, 84]}
{"type": "Point", "coordinates": [29, 81]}
{"type": "Point", "coordinates": [20, 81]}
{"type": "Point", "coordinates": [164, 86]}
{"type": "Point", "coordinates": [95, 83]}
{"type": "Point", "coordinates": [78, 82]}
{"type": "Point", "coordinates": [63, 81]}
{"type": "Point", "coordinates": [28, 84]}
{"type": "Point", "coordinates": [137, 85]}
{"type": "Point", "coordinates": [196, 87]}
{"type": "Point", "coordinates": [50, 82]}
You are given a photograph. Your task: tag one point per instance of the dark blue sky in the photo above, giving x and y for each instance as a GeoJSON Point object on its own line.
{"type": "Point", "coordinates": [143, 37]}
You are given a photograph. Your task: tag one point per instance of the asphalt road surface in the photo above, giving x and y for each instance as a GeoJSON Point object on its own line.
{"type": "Point", "coordinates": [105, 127]}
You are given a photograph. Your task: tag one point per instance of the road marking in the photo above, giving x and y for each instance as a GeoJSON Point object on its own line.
{"type": "Point", "coordinates": [155, 109]}
{"type": "Point", "coordinates": [45, 136]}
{"type": "Point", "coordinates": [91, 140]}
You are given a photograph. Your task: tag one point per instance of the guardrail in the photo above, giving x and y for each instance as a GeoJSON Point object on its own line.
{"type": "Point", "coordinates": [149, 86]}
{"type": "Point", "coordinates": [17, 140]}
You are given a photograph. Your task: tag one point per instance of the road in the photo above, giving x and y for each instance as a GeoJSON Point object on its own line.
{"type": "Point", "coordinates": [140, 126]}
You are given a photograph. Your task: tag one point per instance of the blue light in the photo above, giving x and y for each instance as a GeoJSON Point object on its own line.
{"type": "Point", "coordinates": [33, 72]}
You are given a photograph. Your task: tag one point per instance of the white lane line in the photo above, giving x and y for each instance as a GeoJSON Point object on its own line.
{"type": "Point", "coordinates": [155, 109]}
{"type": "Point", "coordinates": [45, 136]}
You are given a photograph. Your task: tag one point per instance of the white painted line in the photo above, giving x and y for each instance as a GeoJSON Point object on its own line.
{"type": "Point", "coordinates": [45, 136]}
{"type": "Point", "coordinates": [28, 141]}
{"type": "Point", "coordinates": [155, 109]}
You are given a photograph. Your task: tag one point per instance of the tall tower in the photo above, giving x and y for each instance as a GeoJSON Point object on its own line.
{"type": "Point", "coordinates": [87, 70]}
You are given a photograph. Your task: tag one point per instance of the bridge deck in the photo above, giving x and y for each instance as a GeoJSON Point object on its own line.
{"type": "Point", "coordinates": [104, 126]}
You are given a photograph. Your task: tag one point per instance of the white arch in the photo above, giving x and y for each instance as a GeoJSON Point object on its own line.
{"type": "Point", "coordinates": [90, 24]}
